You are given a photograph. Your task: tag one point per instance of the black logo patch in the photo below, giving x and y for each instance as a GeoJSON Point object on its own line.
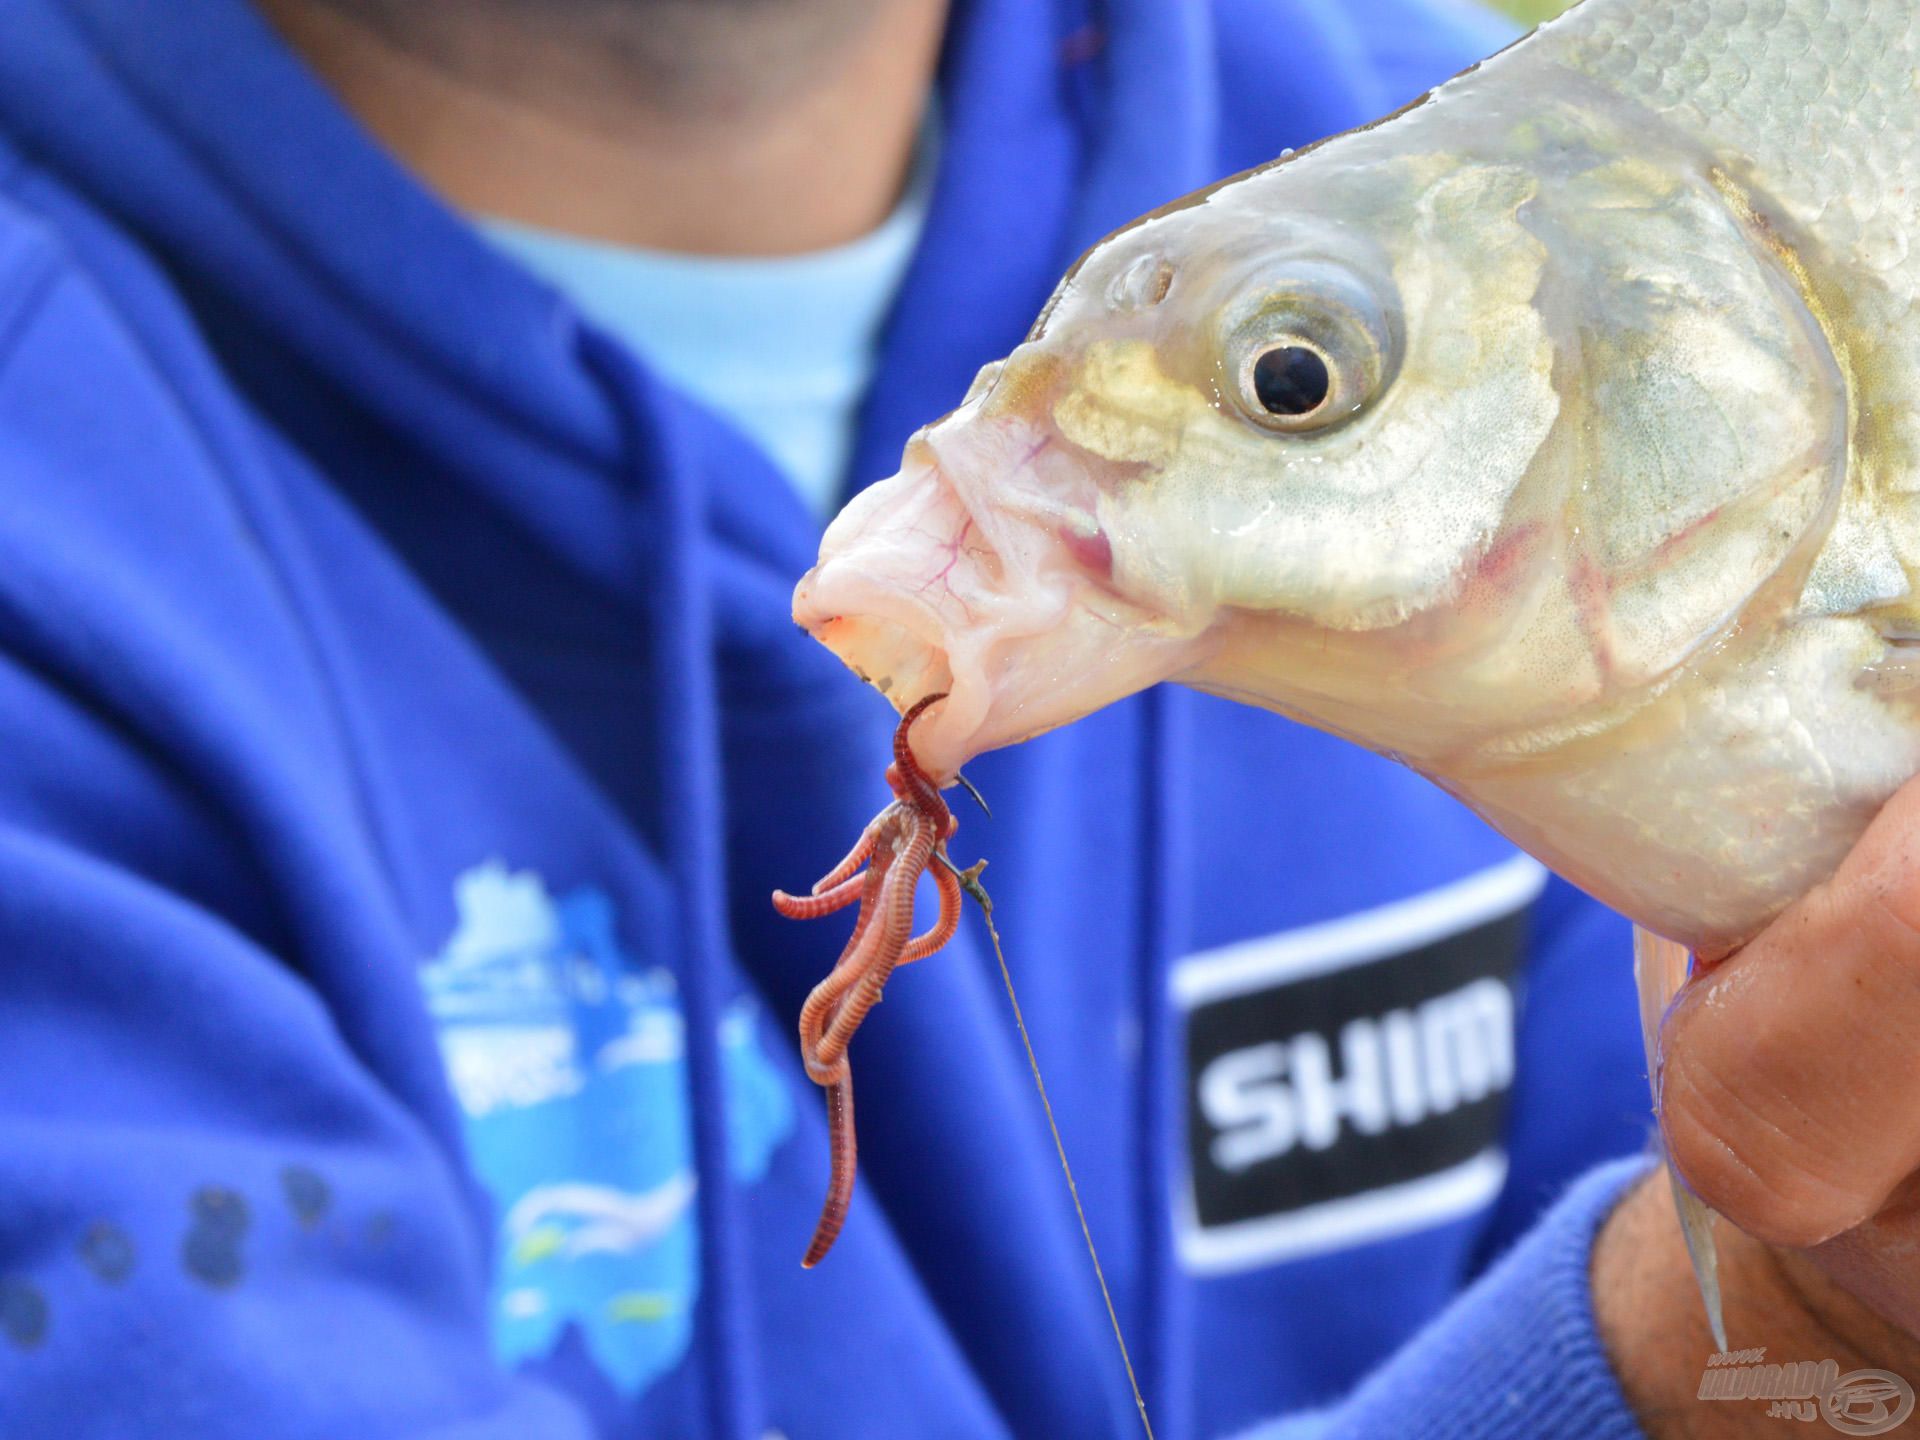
{"type": "Point", "coordinates": [1348, 1081]}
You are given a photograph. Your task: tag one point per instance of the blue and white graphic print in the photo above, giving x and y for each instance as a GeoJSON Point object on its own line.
{"type": "Point", "coordinates": [569, 1062]}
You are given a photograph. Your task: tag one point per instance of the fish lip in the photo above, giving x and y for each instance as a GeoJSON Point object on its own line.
{"type": "Point", "coordinates": [1009, 620]}
{"type": "Point", "coordinates": [902, 642]}
{"type": "Point", "coordinates": [911, 637]}
{"type": "Point", "coordinates": [980, 572]}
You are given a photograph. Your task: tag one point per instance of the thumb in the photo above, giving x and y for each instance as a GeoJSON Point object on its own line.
{"type": "Point", "coordinates": [1790, 1076]}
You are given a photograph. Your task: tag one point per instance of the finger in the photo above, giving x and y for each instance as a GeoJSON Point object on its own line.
{"type": "Point", "coordinates": [1790, 1084]}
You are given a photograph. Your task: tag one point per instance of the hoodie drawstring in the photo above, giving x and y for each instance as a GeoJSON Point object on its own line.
{"type": "Point", "coordinates": [669, 527]}
{"type": "Point", "coordinates": [1166, 1362]}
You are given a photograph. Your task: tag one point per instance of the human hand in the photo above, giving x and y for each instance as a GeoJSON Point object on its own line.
{"type": "Point", "coordinates": [1790, 1101]}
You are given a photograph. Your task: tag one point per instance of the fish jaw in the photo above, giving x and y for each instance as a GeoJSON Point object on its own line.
{"type": "Point", "coordinates": [981, 571]}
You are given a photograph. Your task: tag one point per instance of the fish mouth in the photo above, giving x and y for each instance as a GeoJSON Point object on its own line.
{"type": "Point", "coordinates": [980, 571]}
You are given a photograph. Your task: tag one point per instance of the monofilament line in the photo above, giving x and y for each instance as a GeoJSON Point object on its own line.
{"type": "Point", "coordinates": [970, 882]}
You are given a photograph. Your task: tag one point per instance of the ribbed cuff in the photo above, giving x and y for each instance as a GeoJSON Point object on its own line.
{"type": "Point", "coordinates": [1517, 1357]}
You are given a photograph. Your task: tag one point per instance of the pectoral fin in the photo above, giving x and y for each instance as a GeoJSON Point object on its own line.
{"type": "Point", "coordinates": [1659, 970]}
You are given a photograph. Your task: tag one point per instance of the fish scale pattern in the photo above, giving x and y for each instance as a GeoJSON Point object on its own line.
{"type": "Point", "coordinates": [1818, 102]}
{"type": "Point", "coordinates": [1820, 97]}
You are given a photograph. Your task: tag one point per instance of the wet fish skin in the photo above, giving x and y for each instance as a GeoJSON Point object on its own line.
{"type": "Point", "coordinates": [1611, 520]}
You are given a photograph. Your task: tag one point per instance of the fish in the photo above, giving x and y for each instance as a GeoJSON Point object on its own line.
{"type": "Point", "coordinates": [1557, 436]}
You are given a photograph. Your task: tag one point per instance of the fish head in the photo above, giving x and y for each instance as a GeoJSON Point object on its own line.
{"type": "Point", "coordinates": [1402, 436]}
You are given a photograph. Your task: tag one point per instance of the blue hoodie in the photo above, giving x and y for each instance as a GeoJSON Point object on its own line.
{"type": "Point", "coordinates": [405, 729]}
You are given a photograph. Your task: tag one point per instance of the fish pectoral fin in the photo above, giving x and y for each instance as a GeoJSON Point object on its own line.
{"type": "Point", "coordinates": [1696, 1224]}
{"type": "Point", "coordinates": [1660, 969]}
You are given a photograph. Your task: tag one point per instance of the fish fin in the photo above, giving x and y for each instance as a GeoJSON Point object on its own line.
{"type": "Point", "coordinates": [1659, 970]}
{"type": "Point", "coordinates": [1696, 1224]}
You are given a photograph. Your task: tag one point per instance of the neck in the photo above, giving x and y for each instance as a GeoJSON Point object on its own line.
{"type": "Point", "coordinates": [724, 127]}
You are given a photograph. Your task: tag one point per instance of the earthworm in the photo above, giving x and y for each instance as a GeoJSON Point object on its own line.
{"type": "Point", "coordinates": [898, 846]}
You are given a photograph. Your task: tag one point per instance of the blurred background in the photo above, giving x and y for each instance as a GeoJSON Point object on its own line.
{"type": "Point", "coordinates": [1531, 11]}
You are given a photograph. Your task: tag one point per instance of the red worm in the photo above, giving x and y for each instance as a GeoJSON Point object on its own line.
{"type": "Point", "coordinates": [840, 1144]}
{"type": "Point", "coordinates": [902, 843]}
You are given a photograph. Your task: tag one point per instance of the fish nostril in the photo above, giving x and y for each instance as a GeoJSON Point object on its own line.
{"type": "Point", "coordinates": [1143, 284]}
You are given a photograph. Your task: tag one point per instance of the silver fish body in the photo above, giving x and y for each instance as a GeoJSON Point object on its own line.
{"type": "Point", "coordinates": [1593, 486]}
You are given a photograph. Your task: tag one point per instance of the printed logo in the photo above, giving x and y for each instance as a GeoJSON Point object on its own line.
{"type": "Point", "coordinates": [1347, 1082]}
{"type": "Point", "coordinates": [1861, 1402]}
{"type": "Point", "coordinates": [568, 1060]}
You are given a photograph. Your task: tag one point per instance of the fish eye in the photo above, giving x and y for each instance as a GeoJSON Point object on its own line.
{"type": "Point", "coordinates": [1309, 357]}
{"type": "Point", "coordinates": [1291, 382]}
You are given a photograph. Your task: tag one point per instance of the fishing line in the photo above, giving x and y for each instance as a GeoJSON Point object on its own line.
{"type": "Point", "coordinates": [970, 882]}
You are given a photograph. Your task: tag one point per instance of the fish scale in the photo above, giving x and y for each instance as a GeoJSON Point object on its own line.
{"type": "Point", "coordinates": [1820, 99]}
{"type": "Point", "coordinates": [1818, 95]}
{"type": "Point", "coordinates": [1808, 89]}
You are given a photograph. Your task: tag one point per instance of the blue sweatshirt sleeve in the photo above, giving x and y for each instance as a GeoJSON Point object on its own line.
{"type": "Point", "coordinates": [1581, 1095]}
{"type": "Point", "coordinates": [234, 1203]}
{"type": "Point", "coordinates": [1517, 1357]}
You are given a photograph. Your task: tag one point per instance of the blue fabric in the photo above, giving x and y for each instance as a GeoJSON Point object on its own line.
{"type": "Point", "coordinates": [783, 347]}
{"type": "Point", "coordinates": [1519, 1355]}
{"type": "Point", "coordinates": [405, 728]}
